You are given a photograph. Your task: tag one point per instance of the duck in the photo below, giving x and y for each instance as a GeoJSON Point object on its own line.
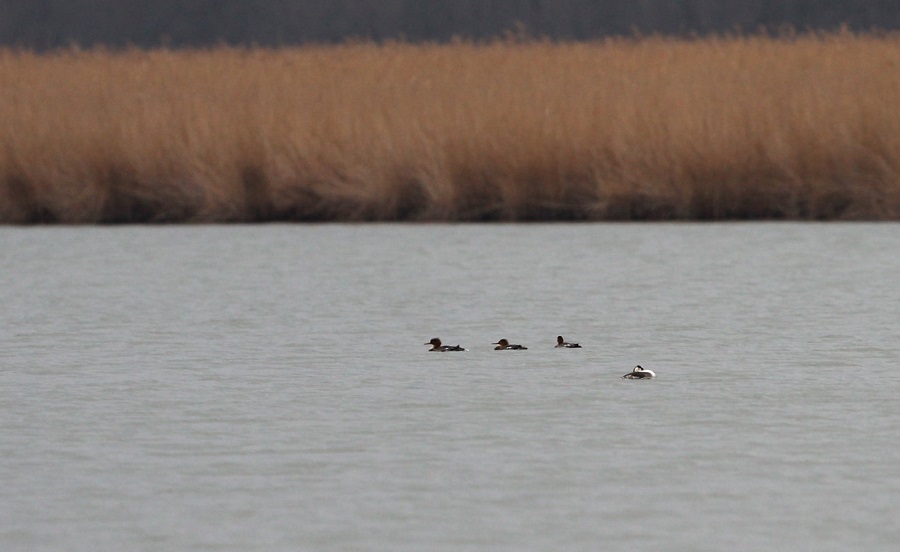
{"type": "Point", "coordinates": [503, 345]}
{"type": "Point", "coordinates": [640, 373]}
{"type": "Point", "coordinates": [560, 342]}
{"type": "Point", "coordinates": [436, 346]}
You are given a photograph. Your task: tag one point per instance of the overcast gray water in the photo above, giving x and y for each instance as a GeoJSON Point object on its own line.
{"type": "Point", "coordinates": [234, 388]}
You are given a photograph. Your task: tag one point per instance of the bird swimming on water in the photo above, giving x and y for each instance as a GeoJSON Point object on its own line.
{"type": "Point", "coordinates": [560, 342]}
{"type": "Point", "coordinates": [504, 345]}
{"type": "Point", "coordinates": [639, 373]}
{"type": "Point", "coordinates": [436, 346]}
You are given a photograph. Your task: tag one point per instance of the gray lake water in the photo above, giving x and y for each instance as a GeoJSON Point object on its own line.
{"type": "Point", "coordinates": [235, 388]}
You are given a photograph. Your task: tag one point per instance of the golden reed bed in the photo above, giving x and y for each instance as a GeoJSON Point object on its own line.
{"type": "Point", "coordinates": [804, 127]}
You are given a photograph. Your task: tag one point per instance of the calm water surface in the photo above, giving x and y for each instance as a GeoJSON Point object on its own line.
{"type": "Point", "coordinates": [233, 388]}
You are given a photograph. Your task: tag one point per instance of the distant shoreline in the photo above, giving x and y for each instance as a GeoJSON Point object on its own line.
{"type": "Point", "coordinates": [737, 128]}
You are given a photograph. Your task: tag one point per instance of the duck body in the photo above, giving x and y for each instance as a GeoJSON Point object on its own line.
{"type": "Point", "coordinates": [505, 345]}
{"type": "Point", "coordinates": [436, 346]}
{"type": "Point", "coordinates": [640, 373]}
{"type": "Point", "coordinates": [562, 343]}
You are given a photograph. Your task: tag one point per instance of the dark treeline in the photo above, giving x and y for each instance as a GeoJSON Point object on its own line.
{"type": "Point", "coordinates": [43, 24]}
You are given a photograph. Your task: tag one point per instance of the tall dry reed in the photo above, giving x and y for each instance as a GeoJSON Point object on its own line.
{"type": "Point", "coordinates": [805, 127]}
